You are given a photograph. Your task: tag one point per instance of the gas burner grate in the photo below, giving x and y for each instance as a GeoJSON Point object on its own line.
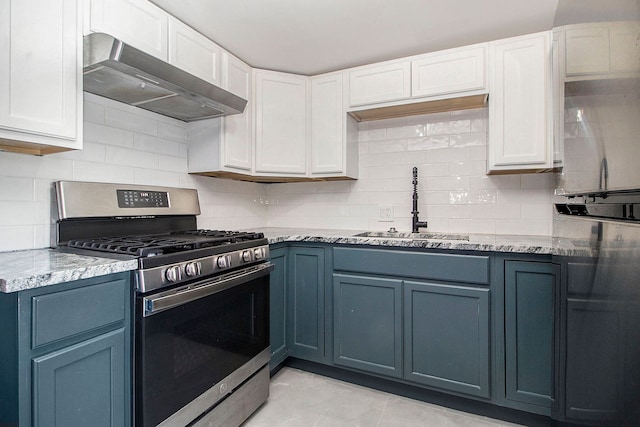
{"type": "Point", "coordinates": [236, 236]}
{"type": "Point", "coordinates": [153, 245]}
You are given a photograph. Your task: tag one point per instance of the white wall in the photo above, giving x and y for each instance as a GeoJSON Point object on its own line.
{"type": "Point", "coordinates": [122, 144]}
{"type": "Point", "coordinates": [125, 144]}
{"type": "Point", "coordinates": [455, 194]}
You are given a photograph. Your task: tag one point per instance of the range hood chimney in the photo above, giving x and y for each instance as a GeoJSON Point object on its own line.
{"type": "Point", "coordinates": [123, 73]}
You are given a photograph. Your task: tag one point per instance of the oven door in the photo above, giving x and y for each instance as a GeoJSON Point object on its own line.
{"type": "Point", "coordinates": [196, 343]}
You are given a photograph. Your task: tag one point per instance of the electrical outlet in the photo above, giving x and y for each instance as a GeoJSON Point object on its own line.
{"type": "Point", "coordinates": [385, 213]}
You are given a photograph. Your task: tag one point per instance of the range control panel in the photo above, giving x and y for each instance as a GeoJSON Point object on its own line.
{"type": "Point", "coordinates": [142, 199]}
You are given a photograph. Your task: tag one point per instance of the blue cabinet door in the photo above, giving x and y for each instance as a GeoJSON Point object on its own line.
{"type": "Point", "coordinates": [82, 385]}
{"type": "Point", "coordinates": [367, 324]}
{"type": "Point", "coordinates": [305, 323]}
{"type": "Point", "coordinates": [530, 289]}
{"type": "Point", "coordinates": [446, 338]}
{"type": "Point", "coordinates": [278, 307]}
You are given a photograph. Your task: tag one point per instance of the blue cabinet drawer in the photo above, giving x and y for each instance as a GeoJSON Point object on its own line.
{"type": "Point", "coordinates": [422, 265]}
{"type": "Point", "coordinates": [72, 312]}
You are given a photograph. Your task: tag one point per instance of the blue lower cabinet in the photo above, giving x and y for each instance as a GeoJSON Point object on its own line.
{"type": "Point", "coordinates": [367, 324]}
{"type": "Point", "coordinates": [65, 358]}
{"type": "Point", "coordinates": [278, 306]}
{"type": "Point", "coordinates": [306, 303]}
{"type": "Point", "coordinates": [82, 385]}
{"type": "Point", "coordinates": [446, 337]}
{"type": "Point", "coordinates": [529, 326]}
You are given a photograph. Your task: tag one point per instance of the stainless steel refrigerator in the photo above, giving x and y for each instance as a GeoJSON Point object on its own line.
{"type": "Point", "coordinates": [597, 221]}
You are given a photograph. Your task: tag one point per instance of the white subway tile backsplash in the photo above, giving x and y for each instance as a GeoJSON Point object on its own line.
{"type": "Point", "coordinates": [441, 128]}
{"type": "Point", "coordinates": [134, 158]}
{"type": "Point", "coordinates": [99, 133]}
{"type": "Point", "coordinates": [91, 152]}
{"type": "Point", "coordinates": [428, 143]}
{"type": "Point", "coordinates": [467, 140]}
{"type": "Point", "coordinates": [43, 190]}
{"type": "Point", "coordinates": [156, 144]}
{"type": "Point", "coordinates": [127, 120]}
{"type": "Point", "coordinates": [455, 194]}
{"type": "Point", "coordinates": [19, 165]}
{"type": "Point", "coordinates": [387, 146]}
{"type": "Point", "coordinates": [415, 131]}
{"type": "Point", "coordinates": [373, 135]}
{"type": "Point", "coordinates": [479, 125]}
{"type": "Point", "coordinates": [460, 126]}
{"type": "Point", "coordinates": [172, 164]}
{"type": "Point", "coordinates": [101, 172]}
{"type": "Point", "coordinates": [124, 144]}
{"type": "Point", "coordinates": [173, 131]}
{"type": "Point", "coordinates": [16, 189]}
{"type": "Point", "coordinates": [156, 177]}
{"type": "Point", "coordinates": [15, 238]}
{"type": "Point", "coordinates": [93, 112]}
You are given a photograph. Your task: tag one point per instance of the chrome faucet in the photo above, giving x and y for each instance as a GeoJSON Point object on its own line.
{"type": "Point", "coordinates": [416, 223]}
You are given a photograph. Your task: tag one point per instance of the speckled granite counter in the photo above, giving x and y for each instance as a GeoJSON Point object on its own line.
{"type": "Point", "coordinates": [22, 270]}
{"type": "Point", "coordinates": [476, 242]}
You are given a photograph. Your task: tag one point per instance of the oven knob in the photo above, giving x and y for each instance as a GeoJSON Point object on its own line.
{"type": "Point", "coordinates": [172, 273]}
{"type": "Point", "coordinates": [257, 253]}
{"type": "Point", "coordinates": [193, 269]}
{"type": "Point", "coordinates": [221, 262]}
{"type": "Point", "coordinates": [246, 256]}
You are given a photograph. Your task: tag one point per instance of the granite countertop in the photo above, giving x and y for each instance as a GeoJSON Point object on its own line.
{"type": "Point", "coordinates": [21, 270]}
{"type": "Point", "coordinates": [476, 242]}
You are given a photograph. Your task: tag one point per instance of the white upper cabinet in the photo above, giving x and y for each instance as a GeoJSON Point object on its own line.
{"type": "Point", "coordinates": [193, 52]}
{"type": "Point", "coordinates": [557, 75]}
{"type": "Point", "coordinates": [135, 22]}
{"type": "Point", "coordinates": [520, 119]}
{"type": "Point", "coordinates": [327, 124]}
{"type": "Point", "coordinates": [601, 49]}
{"type": "Point", "coordinates": [333, 149]}
{"type": "Point", "coordinates": [587, 50]}
{"type": "Point", "coordinates": [280, 123]}
{"type": "Point", "coordinates": [238, 146]}
{"type": "Point", "coordinates": [380, 83]}
{"type": "Point", "coordinates": [623, 38]}
{"type": "Point", "coordinates": [40, 75]}
{"type": "Point", "coordinates": [224, 146]}
{"type": "Point", "coordinates": [450, 71]}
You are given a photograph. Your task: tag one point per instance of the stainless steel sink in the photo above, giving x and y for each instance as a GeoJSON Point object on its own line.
{"type": "Point", "coordinates": [415, 236]}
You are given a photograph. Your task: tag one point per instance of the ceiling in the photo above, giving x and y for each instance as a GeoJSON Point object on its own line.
{"type": "Point", "coordinates": [315, 36]}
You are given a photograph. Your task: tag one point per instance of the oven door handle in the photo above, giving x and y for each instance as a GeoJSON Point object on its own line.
{"type": "Point", "coordinates": [183, 295]}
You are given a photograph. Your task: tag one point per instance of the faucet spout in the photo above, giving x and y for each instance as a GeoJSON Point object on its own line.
{"type": "Point", "coordinates": [416, 224]}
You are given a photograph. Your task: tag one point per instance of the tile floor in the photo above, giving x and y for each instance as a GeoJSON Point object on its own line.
{"type": "Point", "coordinates": [303, 399]}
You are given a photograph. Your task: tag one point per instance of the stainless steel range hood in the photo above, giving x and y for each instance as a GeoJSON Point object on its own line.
{"type": "Point", "coordinates": [121, 72]}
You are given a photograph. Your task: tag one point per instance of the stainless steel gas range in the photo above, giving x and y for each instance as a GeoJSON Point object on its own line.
{"type": "Point", "coordinates": [201, 300]}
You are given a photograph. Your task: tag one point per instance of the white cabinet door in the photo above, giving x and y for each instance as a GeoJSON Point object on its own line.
{"type": "Point", "coordinates": [327, 125]}
{"type": "Point", "coordinates": [224, 146]}
{"type": "Point", "coordinates": [557, 62]}
{"type": "Point", "coordinates": [40, 74]}
{"type": "Point", "coordinates": [520, 104]}
{"type": "Point", "coordinates": [281, 142]}
{"type": "Point", "coordinates": [450, 71]}
{"type": "Point", "coordinates": [238, 140]}
{"type": "Point", "coordinates": [623, 39]}
{"type": "Point", "coordinates": [193, 52]}
{"type": "Point", "coordinates": [380, 83]}
{"type": "Point", "coordinates": [587, 50]}
{"type": "Point", "coordinates": [136, 22]}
